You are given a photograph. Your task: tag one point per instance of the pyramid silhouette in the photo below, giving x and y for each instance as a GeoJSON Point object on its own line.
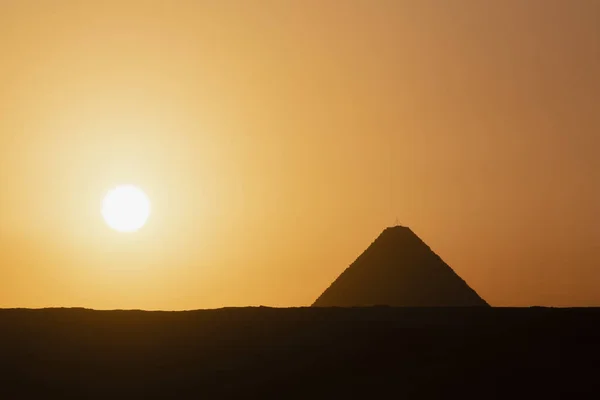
{"type": "Point", "coordinates": [399, 269]}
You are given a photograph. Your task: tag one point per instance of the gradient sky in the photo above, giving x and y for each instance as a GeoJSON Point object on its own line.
{"type": "Point", "coordinates": [277, 139]}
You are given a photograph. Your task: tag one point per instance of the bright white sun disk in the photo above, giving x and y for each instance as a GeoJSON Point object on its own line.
{"type": "Point", "coordinates": [126, 208]}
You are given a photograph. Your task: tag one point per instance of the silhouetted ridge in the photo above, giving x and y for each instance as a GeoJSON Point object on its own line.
{"type": "Point", "coordinates": [399, 269]}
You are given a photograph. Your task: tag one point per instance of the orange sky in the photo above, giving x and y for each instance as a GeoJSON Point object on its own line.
{"type": "Point", "coordinates": [276, 139]}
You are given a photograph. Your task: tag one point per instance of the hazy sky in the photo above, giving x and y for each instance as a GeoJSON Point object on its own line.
{"type": "Point", "coordinates": [277, 139]}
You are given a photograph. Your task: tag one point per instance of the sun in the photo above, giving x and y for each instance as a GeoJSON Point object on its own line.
{"type": "Point", "coordinates": [126, 208]}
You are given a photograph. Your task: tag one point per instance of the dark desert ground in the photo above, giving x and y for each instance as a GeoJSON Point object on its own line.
{"type": "Point", "coordinates": [304, 353]}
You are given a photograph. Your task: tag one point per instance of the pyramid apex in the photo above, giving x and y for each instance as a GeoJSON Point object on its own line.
{"type": "Point", "coordinates": [397, 227]}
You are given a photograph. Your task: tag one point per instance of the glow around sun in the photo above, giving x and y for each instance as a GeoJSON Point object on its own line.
{"type": "Point", "coordinates": [126, 208]}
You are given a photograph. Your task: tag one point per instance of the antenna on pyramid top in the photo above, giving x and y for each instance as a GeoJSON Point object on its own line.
{"type": "Point", "coordinates": [397, 223]}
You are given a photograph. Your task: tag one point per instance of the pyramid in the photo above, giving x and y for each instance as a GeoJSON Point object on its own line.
{"type": "Point", "coordinates": [399, 269]}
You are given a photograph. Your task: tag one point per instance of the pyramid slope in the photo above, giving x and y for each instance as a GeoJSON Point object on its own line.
{"type": "Point", "coordinates": [399, 269]}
